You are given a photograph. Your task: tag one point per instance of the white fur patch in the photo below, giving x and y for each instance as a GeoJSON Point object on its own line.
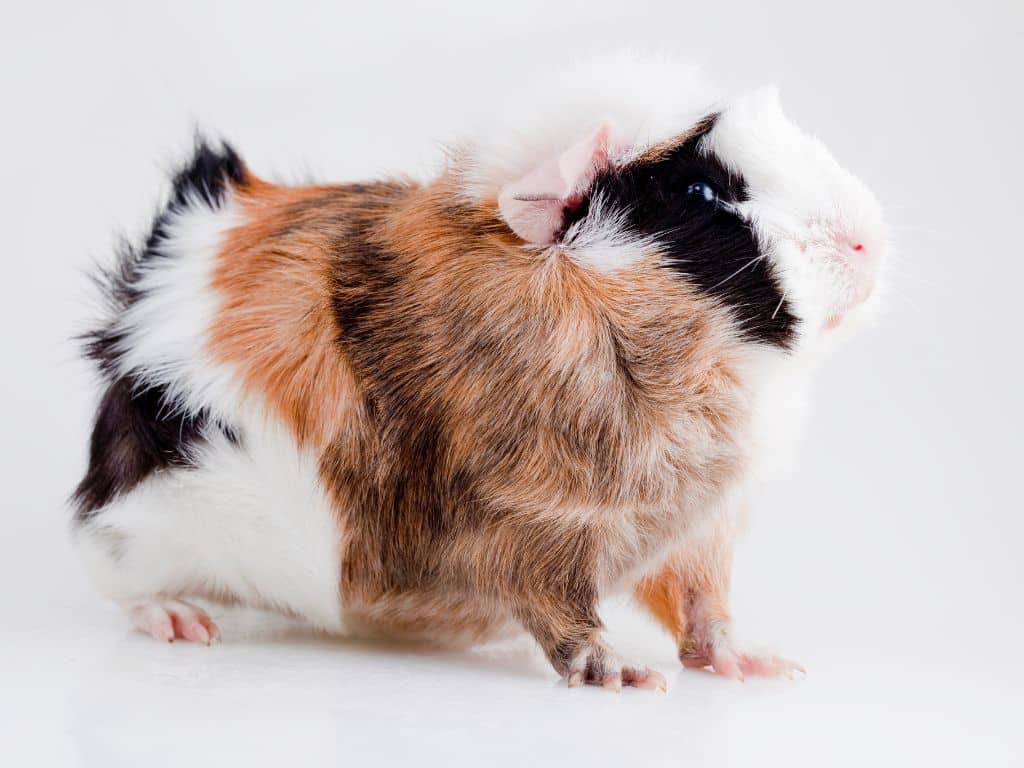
{"type": "Point", "coordinates": [166, 332]}
{"type": "Point", "coordinates": [601, 241]}
{"type": "Point", "coordinates": [250, 522]}
{"type": "Point", "coordinates": [778, 387]}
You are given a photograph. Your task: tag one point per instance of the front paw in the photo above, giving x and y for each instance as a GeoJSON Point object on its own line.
{"type": "Point", "coordinates": [729, 663]}
{"type": "Point", "coordinates": [597, 664]}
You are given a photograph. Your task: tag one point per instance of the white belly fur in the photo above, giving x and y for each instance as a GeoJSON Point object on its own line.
{"type": "Point", "coordinates": [251, 522]}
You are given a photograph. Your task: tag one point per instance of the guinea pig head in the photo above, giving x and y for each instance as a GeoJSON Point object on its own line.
{"type": "Point", "coordinates": [820, 226]}
{"type": "Point", "coordinates": [734, 198]}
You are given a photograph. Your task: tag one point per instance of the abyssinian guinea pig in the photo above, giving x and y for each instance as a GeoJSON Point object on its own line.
{"type": "Point", "coordinates": [451, 407]}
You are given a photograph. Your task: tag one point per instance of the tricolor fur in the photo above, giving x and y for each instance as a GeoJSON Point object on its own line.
{"type": "Point", "coordinates": [490, 398]}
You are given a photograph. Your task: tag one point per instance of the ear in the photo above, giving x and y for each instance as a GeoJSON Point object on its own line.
{"type": "Point", "coordinates": [534, 205]}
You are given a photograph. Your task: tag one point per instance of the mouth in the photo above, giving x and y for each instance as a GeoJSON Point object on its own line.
{"type": "Point", "coordinates": [833, 321]}
{"type": "Point", "coordinates": [861, 294]}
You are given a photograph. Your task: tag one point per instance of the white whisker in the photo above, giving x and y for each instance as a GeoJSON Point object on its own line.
{"type": "Point", "coordinates": [781, 302]}
{"type": "Point", "coordinates": [730, 277]}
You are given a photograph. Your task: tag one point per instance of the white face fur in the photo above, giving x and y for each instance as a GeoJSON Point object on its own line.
{"type": "Point", "coordinates": [818, 223]}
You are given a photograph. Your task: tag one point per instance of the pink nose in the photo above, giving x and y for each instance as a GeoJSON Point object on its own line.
{"type": "Point", "coordinates": [863, 261]}
{"type": "Point", "coordinates": [860, 255]}
{"type": "Point", "coordinates": [853, 245]}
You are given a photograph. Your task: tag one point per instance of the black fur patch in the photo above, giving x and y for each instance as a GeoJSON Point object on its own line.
{"type": "Point", "coordinates": [136, 431]}
{"type": "Point", "coordinates": [133, 437]}
{"type": "Point", "coordinates": [705, 242]}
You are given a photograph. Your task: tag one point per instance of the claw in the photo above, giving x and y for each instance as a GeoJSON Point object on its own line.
{"type": "Point", "coordinates": [770, 666]}
{"type": "Point", "coordinates": [726, 664]}
{"type": "Point", "coordinates": [647, 679]}
{"type": "Point", "coordinates": [613, 682]}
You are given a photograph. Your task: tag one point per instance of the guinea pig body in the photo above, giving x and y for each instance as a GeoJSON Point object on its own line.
{"type": "Point", "coordinates": [486, 400]}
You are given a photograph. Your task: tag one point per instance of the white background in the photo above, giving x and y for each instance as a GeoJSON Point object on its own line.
{"type": "Point", "coordinates": [889, 563]}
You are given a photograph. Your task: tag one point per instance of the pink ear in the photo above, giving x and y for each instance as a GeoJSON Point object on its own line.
{"type": "Point", "coordinates": [534, 205]}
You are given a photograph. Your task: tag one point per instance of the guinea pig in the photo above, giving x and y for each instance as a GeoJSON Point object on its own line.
{"type": "Point", "coordinates": [485, 401]}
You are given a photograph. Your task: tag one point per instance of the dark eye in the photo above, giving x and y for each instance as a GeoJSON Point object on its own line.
{"type": "Point", "coordinates": [702, 191]}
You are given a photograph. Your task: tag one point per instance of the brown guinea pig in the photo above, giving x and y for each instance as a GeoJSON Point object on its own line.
{"type": "Point", "coordinates": [482, 401]}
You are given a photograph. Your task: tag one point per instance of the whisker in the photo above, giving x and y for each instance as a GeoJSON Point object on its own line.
{"type": "Point", "coordinates": [781, 302]}
{"type": "Point", "coordinates": [730, 277]}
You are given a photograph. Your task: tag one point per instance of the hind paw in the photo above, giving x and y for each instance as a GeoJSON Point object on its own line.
{"type": "Point", "coordinates": [169, 620]}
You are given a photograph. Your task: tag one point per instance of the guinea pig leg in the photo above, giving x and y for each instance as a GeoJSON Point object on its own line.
{"type": "Point", "coordinates": [571, 639]}
{"type": "Point", "coordinates": [708, 643]}
{"type": "Point", "coordinates": [689, 597]}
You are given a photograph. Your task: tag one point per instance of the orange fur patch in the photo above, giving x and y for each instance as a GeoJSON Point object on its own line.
{"type": "Point", "coordinates": [504, 432]}
{"type": "Point", "coordinates": [276, 322]}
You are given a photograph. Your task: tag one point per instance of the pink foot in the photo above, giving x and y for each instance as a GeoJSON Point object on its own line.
{"type": "Point", "coordinates": [168, 620]}
{"type": "Point", "coordinates": [597, 664]}
{"type": "Point", "coordinates": [736, 666]}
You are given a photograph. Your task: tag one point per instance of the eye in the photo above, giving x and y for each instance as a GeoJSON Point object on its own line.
{"type": "Point", "coordinates": [702, 191]}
